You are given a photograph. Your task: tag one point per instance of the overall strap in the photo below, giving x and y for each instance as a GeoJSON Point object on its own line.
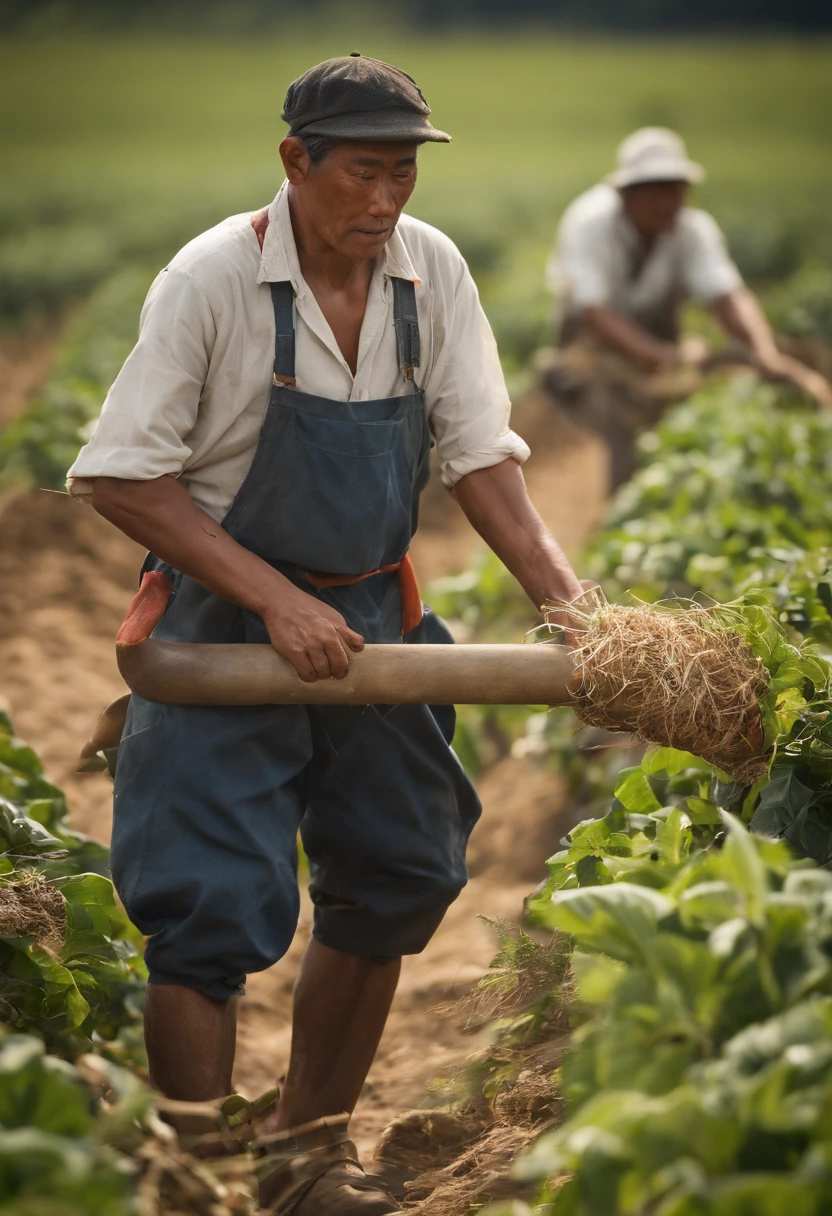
{"type": "Point", "coordinates": [407, 325]}
{"type": "Point", "coordinates": [283, 298]}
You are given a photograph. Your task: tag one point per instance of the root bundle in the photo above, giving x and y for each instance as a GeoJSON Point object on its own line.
{"type": "Point", "coordinates": [32, 907]}
{"type": "Point", "coordinates": [679, 678]}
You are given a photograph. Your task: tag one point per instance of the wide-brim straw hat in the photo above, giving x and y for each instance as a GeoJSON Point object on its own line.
{"type": "Point", "coordinates": [654, 154]}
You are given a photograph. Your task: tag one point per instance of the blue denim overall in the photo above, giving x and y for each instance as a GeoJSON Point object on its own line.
{"type": "Point", "coordinates": [209, 800]}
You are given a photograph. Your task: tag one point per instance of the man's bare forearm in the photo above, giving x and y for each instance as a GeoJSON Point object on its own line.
{"type": "Point", "coordinates": [739, 312]}
{"type": "Point", "coordinates": [629, 338]}
{"type": "Point", "coordinates": [497, 503]}
{"type": "Point", "coordinates": [160, 515]}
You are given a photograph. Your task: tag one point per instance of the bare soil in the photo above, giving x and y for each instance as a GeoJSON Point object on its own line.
{"type": "Point", "coordinates": [66, 578]}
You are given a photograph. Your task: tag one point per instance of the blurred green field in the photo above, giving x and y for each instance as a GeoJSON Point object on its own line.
{"type": "Point", "coordinates": [89, 119]}
{"type": "Point", "coordinates": [123, 147]}
{"type": "Point", "coordinates": [115, 152]}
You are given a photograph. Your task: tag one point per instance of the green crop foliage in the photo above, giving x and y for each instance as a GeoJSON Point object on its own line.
{"type": "Point", "coordinates": [87, 989]}
{"type": "Point", "coordinates": [41, 444]}
{"type": "Point", "coordinates": [802, 305]}
{"type": "Point", "coordinates": [700, 1076]}
{"type": "Point", "coordinates": [732, 494]}
{"type": "Point", "coordinates": [69, 1120]}
{"type": "Point", "coordinates": [59, 1140]}
{"type": "Point", "coordinates": [731, 498]}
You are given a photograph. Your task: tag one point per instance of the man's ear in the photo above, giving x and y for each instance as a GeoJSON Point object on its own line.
{"type": "Point", "coordinates": [296, 163]}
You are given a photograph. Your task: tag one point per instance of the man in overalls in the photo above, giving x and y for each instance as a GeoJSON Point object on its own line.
{"type": "Point", "coordinates": [267, 441]}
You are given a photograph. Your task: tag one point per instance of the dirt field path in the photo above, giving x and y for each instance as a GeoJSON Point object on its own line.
{"type": "Point", "coordinates": [26, 360]}
{"type": "Point", "coordinates": [65, 580]}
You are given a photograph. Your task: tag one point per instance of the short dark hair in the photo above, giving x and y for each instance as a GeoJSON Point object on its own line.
{"type": "Point", "coordinates": [318, 147]}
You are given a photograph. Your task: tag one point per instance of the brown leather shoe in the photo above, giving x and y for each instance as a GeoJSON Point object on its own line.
{"type": "Point", "coordinates": [315, 1171]}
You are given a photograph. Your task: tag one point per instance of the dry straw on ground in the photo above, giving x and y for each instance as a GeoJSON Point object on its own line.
{"type": "Point", "coordinates": [458, 1159]}
{"type": "Point", "coordinates": [32, 907]}
{"type": "Point", "coordinates": [524, 972]}
{"type": "Point", "coordinates": [680, 677]}
{"type": "Point", "coordinates": [471, 1160]}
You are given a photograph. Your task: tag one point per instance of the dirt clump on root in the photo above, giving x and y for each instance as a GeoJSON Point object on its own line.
{"type": "Point", "coordinates": [32, 907]}
{"type": "Point", "coordinates": [680, 678]}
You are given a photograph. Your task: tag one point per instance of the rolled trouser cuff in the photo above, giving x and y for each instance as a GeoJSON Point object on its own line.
{"type": "Point", "coordinates": [218, 989]}
{"type": "Point", "coordinates": [384, 938]}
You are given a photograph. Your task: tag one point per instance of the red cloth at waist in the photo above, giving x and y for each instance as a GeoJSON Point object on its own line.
{"type": "Point", "coordinates": [411, 599]}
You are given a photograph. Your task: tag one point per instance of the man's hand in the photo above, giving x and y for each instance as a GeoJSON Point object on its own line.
{"type": "Point", "coordinates": [776, 366]}
{"type": "Point", "coordinates": [160, 515]}
{"type": "Point", "coordinates": [315, 638]}
{"type": "Point", "coordinates": [693, 350]}
{"type": "Point", "coordinates": [564, 621]}
{"type": "Point", "coordinates": [741, 315]}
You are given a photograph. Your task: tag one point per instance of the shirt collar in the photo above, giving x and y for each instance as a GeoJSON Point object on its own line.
{"type": "Point", "coordinates": [628, 234]}
{"type": "Point", "coordinates": [626, 228]}
{"type": "Point", "coordinates": [279, 259]}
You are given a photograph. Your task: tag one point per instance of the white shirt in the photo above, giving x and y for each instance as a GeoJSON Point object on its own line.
{"type": "Point", "coordinates": [597, 253]}
{"type": "Point", "coordinates": [191, 397]}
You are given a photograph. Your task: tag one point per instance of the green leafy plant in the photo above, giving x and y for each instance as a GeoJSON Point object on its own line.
{"type": "Point", "coordinates": [700, 1078]}
{"type": "Point", "coordinates": [733, 486]}
{"type": "Point", "coordinates": [71, 969]}
{"type": "Point", "coordinates": [41, 444]}
{"type": "Point", "coordinates": [802, 305]}
{"type": "Point", "coordinates": [64, 1130]}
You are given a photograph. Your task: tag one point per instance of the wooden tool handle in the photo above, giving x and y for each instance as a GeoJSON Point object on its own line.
{"type": "Point", "coordinates": [186, 673]}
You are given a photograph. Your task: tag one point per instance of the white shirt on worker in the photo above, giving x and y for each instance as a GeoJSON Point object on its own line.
{"type": "Point", "coordinates": [598, 259]}
{"type": "Point", "coordinates": [191, 397]}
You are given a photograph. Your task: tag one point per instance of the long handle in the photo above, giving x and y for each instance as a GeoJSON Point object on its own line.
{"type": "Point", "coordinates": [186, 673]}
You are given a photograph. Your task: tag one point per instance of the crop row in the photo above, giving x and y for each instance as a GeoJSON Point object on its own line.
{"type": "Point", "coordinates": [699, 1076]}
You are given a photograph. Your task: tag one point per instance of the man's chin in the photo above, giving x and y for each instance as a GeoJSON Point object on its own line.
{"type": "Point", "coordinates": [366, 244]}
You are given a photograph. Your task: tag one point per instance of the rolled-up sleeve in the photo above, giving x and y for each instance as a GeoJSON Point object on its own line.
{"type": "Point", "coordinates": [467, 401]}
{"type": "Point", "coordinates": [707, 267]}
{"type": "Point", "coordinates": [152, 406]}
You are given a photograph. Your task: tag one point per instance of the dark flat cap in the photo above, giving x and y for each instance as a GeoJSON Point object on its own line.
{"type": "Point", "coordinates": [359, 98]}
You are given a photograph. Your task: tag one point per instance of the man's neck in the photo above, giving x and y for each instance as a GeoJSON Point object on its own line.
{"type": "Point", "coordinates": [319, 262]}
{"type": "Point", "coordinates": [645, 239]}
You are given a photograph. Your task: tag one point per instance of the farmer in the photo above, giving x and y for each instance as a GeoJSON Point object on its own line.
{"type": "Point", "coordinates": [267, 441]}
{"type": "Point", "coordinates": [629, 253]}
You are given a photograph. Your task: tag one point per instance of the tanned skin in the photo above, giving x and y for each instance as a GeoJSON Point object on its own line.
{"type": "Point", "coordinates": [653, 208]}
{"type": "Point", "coordinates": [343, 212]}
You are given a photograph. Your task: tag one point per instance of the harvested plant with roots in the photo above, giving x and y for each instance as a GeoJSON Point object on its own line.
{"type": "Point", "coordinates": [682, 677]}
{"type": "Point", "coordinates": [32, 907]}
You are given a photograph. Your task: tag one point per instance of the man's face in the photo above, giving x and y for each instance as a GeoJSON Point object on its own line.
{"type": "Point", "coordinates": [353, 198]}
{"type": "Point", "coordinates": [653, 206]}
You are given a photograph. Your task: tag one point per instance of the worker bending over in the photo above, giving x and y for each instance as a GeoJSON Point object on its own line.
{"type": "Point", "coordinates": [629, 253]}
{"type": "Point", "coordinates": [267, 441]}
